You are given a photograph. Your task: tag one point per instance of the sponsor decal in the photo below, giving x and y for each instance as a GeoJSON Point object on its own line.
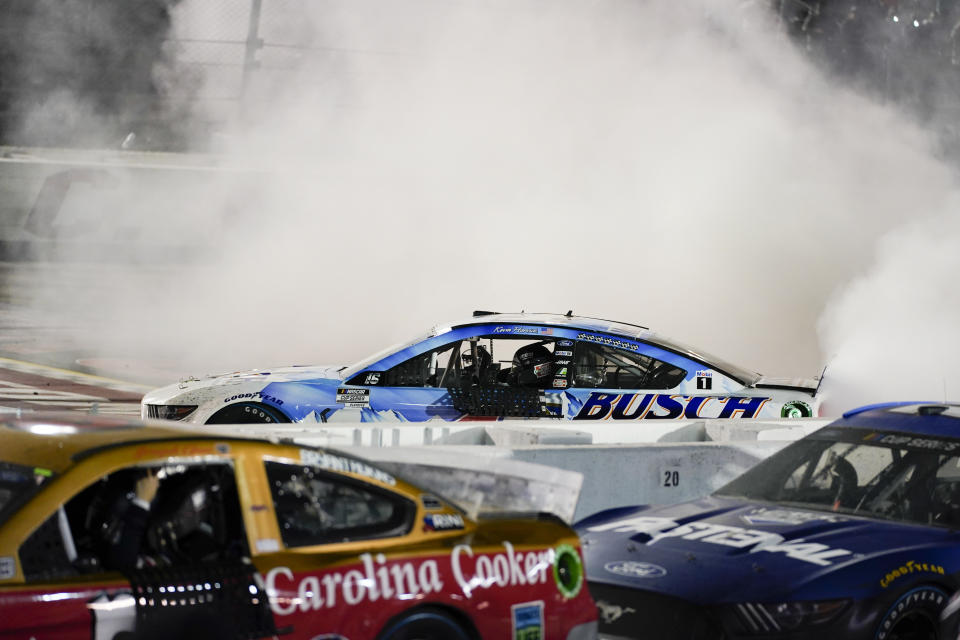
{"type": "Point", "coordinates": [376, 578]}
{"type": "Point", "coordinates": [373, 580]}
{"type": "Point", "coordinates": [331, 462]}
{"type": "Point", "coordinates": [656, 406]}
{"type": "Point", "coordinates": [563, 354]}
{"type": "Point", "coordinates": [507, 569]}
{"type": "Point", "coordinates": [561, 363]}
{"type": "Point", "coordinates": [253, 395]}
{"type": "Point", "coordinates": [8, 567]}
{"type": "Point", "coordinates": [562, 372]}
{"type": "Point", "coordinates": [430, 502]}
{"type": "Point", "coordinates": [356, 398]}
{"type": "Point", "coordinates": [527, 619]}
{"type": "Point", "coordinates": [565, 343]}
{"type": "Point", "coordinates": [442, 522]}
{"type": "Point", "coordinates": [704, 380]}
{"type": "Point", "coordinates": [610, 613]}
{"type": "Point", "coordinates": [568, 571]}
{"type": "Point", "coordinates": [729, 536]}
{"type": "Point", "coordinates": [560, 384]}
{"type": "Point", "coordinates": [907, 569]}
{"type": "Point", "coordinates": [765, 516]}
{"type": "Point", "coordinates": [795, 409]}
{"type": "Point", "coordinates": [631, 569]}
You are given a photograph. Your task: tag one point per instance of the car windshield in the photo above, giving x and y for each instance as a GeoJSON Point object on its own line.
{"type": "Point", "coordinates": [17, 484]}
{"type": "Point", "coordinates": [893, 476]}
{"type": "Point", "coordinates": [353, 369]}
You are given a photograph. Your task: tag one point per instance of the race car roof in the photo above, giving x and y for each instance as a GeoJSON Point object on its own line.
{"type": "Point", "coordinates": [624, 329]}
{"type": "Point", "coordinates": [921, 418]}
{"type": "Point", "coordinates": [52, 441]}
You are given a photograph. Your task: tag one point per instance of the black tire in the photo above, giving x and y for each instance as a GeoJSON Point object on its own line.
{"type": "Point", "coordinates": [247, 413]}
{"type": "Point", "coordinates": [425, 624]}
{"type": "Point", "coordinates": [914, 615]}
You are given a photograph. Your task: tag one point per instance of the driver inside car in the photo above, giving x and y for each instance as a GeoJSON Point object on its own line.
{"type": "Point", "coordinates": [122, 532]}
{"type": "Point", "coordinates": [532, 367]}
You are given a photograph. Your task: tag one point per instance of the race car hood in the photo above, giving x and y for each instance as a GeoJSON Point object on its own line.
{"type": "Point", "coordinates": [192, 388]}
{"type": "Point", "coordinates": [719, 550]}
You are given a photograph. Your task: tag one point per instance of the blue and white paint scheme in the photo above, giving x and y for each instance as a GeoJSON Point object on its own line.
{"type": "Point", "coordinates": [599, 370]}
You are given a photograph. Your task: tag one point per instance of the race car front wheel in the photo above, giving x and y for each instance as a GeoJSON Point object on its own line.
{"type": "Point", "coordinates": [247, 413]}
{"type": "Point", "coordinates": [914, 615]}
{"type": "Point", "coordinates": [425, 624]}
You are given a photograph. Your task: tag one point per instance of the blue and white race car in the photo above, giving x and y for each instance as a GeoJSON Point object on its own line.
{"type": "Point", "coordinates": [496, 366]}
{"type": "Point", "coordinates": [851, 532]}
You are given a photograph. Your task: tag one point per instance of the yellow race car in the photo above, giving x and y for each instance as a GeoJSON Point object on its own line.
{"type": "Point", "coordinates": [117, 529]}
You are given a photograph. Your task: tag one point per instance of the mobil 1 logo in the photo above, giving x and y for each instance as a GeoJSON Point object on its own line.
{"type": "Point", "coordinates": [704, 380]}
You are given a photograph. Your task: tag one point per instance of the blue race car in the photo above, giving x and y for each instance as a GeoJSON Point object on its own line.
{"type": "Point", "coordinates": [497, 366]}
{"type": "Point", "coordinates": [850, 532]}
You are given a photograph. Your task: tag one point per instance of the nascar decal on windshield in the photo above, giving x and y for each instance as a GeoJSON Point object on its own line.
{"type": "Point", "coordinates": [331, 462]}
{"type": "Point", "coordinates": [354, 398]}
{"type": "Point", "coordinates": [912, 442]}
{"type": "Point", "coordinates": [657, 406]}
{"type": "Point", "coordinates": [766, 516]}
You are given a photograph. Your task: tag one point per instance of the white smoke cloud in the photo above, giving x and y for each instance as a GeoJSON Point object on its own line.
{"type": "Point", "coordinates": [679, 166]}
{"type": "Point", "coordinates": [891, 333]}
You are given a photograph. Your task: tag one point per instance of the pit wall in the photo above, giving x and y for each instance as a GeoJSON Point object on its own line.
{"type": "Point", "coordinates": [573, 471]}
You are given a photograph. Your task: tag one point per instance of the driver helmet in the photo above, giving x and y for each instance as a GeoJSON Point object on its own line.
{"type": "Point", "coordinates": [532, 364]}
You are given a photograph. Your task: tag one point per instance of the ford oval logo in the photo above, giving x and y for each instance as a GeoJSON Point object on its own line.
{"type": "Point", "coordinates": [631, 569]}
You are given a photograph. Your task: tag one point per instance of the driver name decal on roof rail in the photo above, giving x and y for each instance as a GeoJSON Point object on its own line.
{"type": "Point", "coordinates": [658, 406]}
{"type": "Point", "coordinates": [524, 330]}
{"type": "Point", "coordinates": [725, 535]}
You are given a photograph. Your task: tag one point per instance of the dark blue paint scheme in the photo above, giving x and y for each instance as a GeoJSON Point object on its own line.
{"type": "Point", "coordinates": [711, 557]}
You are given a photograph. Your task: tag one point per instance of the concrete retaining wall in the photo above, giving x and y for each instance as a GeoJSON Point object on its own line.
{"type": "Point", "coordinates": [516, 464]}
